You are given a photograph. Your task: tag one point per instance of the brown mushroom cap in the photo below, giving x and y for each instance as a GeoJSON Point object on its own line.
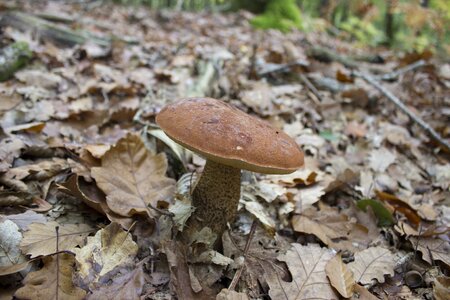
{"type": "Point", "coordinates": [223, 133]}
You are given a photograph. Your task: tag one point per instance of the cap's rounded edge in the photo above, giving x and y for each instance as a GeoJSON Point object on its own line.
{"type": "Point", "coordinates": [239, 163]}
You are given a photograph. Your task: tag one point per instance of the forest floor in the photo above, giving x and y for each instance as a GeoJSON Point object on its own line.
{"type": "Point", "coordinates": [367, 217]}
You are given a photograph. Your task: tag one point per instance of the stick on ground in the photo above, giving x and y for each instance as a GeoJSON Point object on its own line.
{"type": "Point", "coordinates": [425, 126]}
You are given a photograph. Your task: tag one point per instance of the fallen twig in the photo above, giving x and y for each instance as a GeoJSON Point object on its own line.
{"type": "Point", "coordinates": [393, 75]}
{"type": "Point", "coordinates": [311, 88]}
{"type": "Point", "coordinates": [238, 273]}
{"type": "Point", "coordinates": [428, 129]}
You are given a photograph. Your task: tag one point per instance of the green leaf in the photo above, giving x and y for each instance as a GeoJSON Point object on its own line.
{"type": "Point", "coordinates": [328, 135]}
{"type": "Point", "coordinates": [383, 215]}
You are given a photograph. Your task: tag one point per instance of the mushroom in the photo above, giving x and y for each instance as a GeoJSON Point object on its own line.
{"type": "Point", "coordinates": [230, 140]}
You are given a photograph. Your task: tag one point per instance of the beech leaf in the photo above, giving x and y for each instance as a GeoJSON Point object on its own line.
{"type": "Point", "coordinates": [340, 276]}
{"type": "Point", "coordinates": [40, 239]}
{"type": "Point", "coordinates": [372, 263]}
{"type": "Point", "coordinates": [133, 178]}
{"type": "Point", "coordinates": [43, 284]}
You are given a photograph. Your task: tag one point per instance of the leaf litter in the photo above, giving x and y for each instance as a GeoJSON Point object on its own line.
{"type": "Point", "coordinates": [88, 201]}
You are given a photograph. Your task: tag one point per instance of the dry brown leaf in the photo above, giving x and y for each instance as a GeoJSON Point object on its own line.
{"type": "Point", "coordinates": [432, 249]}
{"type": "Point", "coordinates": [126, 286]}
{"type": "Point", "coordinates": [332, 227]}
{"type": "Point", "coordinates": [25, 219]}
{"type": "Point", "coordinates": [180, 279]}
{"type": "Point", "coordinates": [133, 178]}
{"type": "Point", "coordinates": [10, 238]}
{"type": "Point", "coordinates": [307, 267]}
{"type": "Point", "coordinates": [43, 284]}
{"type": "Point", "coordinates": [34, 127]}
{"type": "Point", "coordinates": [226, 294]}
{"type": "Point", "coordinates": [40, 239]}
{"type": "Point", "coordinates": [380, 159]}
{"type": "Point", "coordinates": [111, 248]}
{"type": "Point", "coordinates": [372, 263]}
{"type": "Point", "coordinates": [14, 268]}
{"type": "Point", "coordinates": [10, 148]}
{"type": "Point", "coordinates": [341, 278]}
{"type": "Point", "coordinates": [361, 293]}
{"type": "Point", "coordinates": [90, 194]}
{"type": "Point", "coordinates": [441, 288]}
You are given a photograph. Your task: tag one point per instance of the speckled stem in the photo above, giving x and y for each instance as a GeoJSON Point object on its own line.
{"type": "Point", "coordinates": [216, 197]}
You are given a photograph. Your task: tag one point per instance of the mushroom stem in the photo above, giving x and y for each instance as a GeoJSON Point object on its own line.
{"type": "Point", "coordinates": [216, 197]}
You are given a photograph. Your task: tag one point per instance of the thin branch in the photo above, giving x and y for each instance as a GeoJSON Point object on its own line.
{"type": "Point", "coordinates": [312, 88]}
{"type": "Point", "coordinates": [393, 75]}
{"type": "Point", "coordinates": [427, 128]}
{"type": "Point", "coordinates": [57, 262]}
{"type": "Point", "coordinates": [238, 273]}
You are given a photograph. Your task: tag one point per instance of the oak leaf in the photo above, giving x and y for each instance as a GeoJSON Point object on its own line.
{"type": "Point", "coordinates": [307, 267]}
{"type": "Point", "coordinates": [40, 239]}
{"type": "Point", "coordinates": [133, 178]}
{"type": "Point", "coordinates": [372, 263]}
{"type": "Point", "coordinates": [432, 249]}
{"type": "Point", "coordinates": [52, 281]}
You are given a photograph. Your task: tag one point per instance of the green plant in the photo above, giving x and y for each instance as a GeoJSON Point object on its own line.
{"type": "Point", "coordinates": [283, 15]}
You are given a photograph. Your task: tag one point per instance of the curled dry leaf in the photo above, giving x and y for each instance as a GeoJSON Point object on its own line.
{"type": "Point", "coordinates": [341, 278]}
{"type": "Point", "coordinates": [90, 194]}
{"type": "Point", "coordinates": [432, 249]}
{"type": "Point", "coordinates": [52, 281]}
{"type": "Point", "coordinates": [109, 249]}
{"type": "Point", "coordinates": [307, 267]}
{"type": "Point", "coordinates": [332, 227]}
{"type": "Point", "coordinates": [133, 178]}
{"type": "Point", "coordinates": [372, 263]}
{"type": "Point", "coordinates": [40, 239]}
